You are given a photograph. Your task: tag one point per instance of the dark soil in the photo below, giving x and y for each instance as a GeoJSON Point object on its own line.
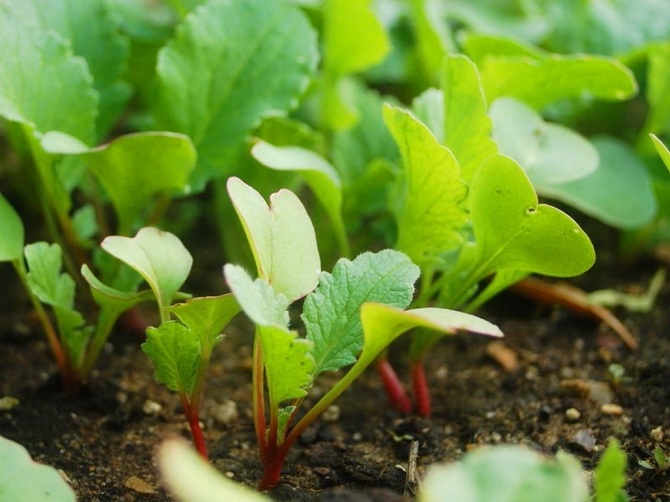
{"type": "Point", "coordinates": [104, 439]}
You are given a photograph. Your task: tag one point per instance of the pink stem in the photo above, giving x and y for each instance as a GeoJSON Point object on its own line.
{"type": "Point", "coordinates": [394, 389]}
{"type": "Point", "coordinates": [421, 392]}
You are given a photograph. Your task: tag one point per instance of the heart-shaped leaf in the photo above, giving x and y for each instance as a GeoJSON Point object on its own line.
{"type": "Point", "coordinates": [281, 237]}
{"type": "Point", "coordinates": [512, 231]}
{"type": "Point", "coordinates": [159, 257]}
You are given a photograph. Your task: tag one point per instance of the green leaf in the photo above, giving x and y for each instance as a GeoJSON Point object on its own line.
{"type": "Point", "coordinates": [104, 295]}
{"type": "Point", "coordinates": [12, 232]}
{"type": "Point", "coordinates": [467, 127]}
{"type": "Point", "coordinates": [384, 323]}
{"type": "Point", "coordinates": [281, 237]}
{"type": "Point", "coordinates": [353, 37]}
{"type": "Point", "coordinates": [512, 231]}
{"type": "Point", "coordinates": [175, 352]}
{"type": "Point", "coordinates": [540, 78]}
{"type": "Point", "coordinates": [289, 366]}
{"type": "Point", "coordinates": [231, 64]}
{"type": "Point", "coordinates": [610, 475]}
{"type": "Point", "coordinates": [23, 480]}
{"type": "Point", "coordinates": [658, 88]}
{"type": "Point", "coordinates": [549, 153]}
{"type": "Point", "coordinates": [94, 35]}
{"type": "Point", "coordinates": [662, 150]}
{"type": "Point", "coordinates": [257, 298]}
{"type": "Point", "coordinates": [159, 257]}
{"type": "Point", "coordinates": [207, 316]}
{"type": "Point", "coordinates": [332, 312]}
{"type": "Point", "coordinates": [618, 193]}
{"type": "Point", "coordinates": [431, 213]}
{"type": "Point", "coordinates": [433, 40]}
{"type": "Point", "coordinates": [33, 57]}
{"type": "Point", "coordinates": [507, 474]}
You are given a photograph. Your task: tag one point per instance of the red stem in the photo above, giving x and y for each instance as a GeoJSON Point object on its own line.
{"type": "Point", "coordinates": [421, 392]}
{"type": "Point", "coordinates": [193, 418]}
{"type": "Point", "coordinates": [394, 389]}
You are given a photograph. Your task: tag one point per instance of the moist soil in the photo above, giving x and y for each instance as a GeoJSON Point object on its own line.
{"type": "Point", "coordinates": [104, 439]}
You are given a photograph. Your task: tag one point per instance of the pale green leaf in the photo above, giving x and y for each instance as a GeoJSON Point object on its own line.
{"type": "Point", "coordinates": [662, 150]}
{"type": "Point", "coordinates": [431, 213]}
{"type": "Point", "coordinates": [11, 232]}
{"type": "Point", "coordinates": [289, 366]}
{"type": "Point", "coordinates": [115, 299]}
{"type": "Point", "coordinates": [231, 64]}
{"type": "Point", "coordinates": [544, 78]}
{"type": "Point", "coordinates": [354, 39]}
{"type": "Point", "coordinates": [467, 127]}
{"type": "Point", "coordinates": [281, 237]}
{"type": "Point", "coordinates": [610, 474]}
{"type": "Point", "coordinates": [618, 193]}
{"type": "Point", "coordinates": [159, 257]}
{"type": "Point", "coordinates": [384, 323]}
{"type": "Point", "coordinates": [507, 474]}
{"type": "Point", "coordinates": [192, 479]}
{"type": "Point", "coordinates": [428, 107]}
{"type": "Point", "coordinates": [549, 153]}
{"type": "Point", "coordinates": [206, 316]}
{"type": "Point", "coordinates": [257, 298]}
{"type": "Point", "coordinates": [175, 352]}
{"type": "Point", "coordinates": [23, 480]}
{"type": "Point", "coordinates": [332, 312]}
{"type": "Point", "coordinates": [512, 231]}
{"type": "Point", "coordinates": [42, 84]}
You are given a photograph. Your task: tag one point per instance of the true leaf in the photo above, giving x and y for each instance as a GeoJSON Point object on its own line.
{"type": "Point", "coordinates": [610, 474]}
{"type": "Point", "coordinates": [12, 232]}
{"type": "Point", "coordinates": [231, 64]}
{"type": "Point", "coordinates": [33, 57]}
{"type": "Point", "coordinates": [281, 237]}
{"type": "Point", "coordinates": [431, 212]}
{"type": "Point", "coordinates": [542, 78]}
{"type": "Point", "coordinates": [619, 192]}
{"type": "Point", "coordinates": [289, 366]}
{"type": "Point", "coordinates": [332, 312]}
{"type": "Point", "coordinates": [159, 257]}
{"type": "Point", "coordinates": [257, 298]}
{"type": "Point", "coordinates": [23, 480]}
{"type": "Point", "coordinates": [549, 153]}
{"type": "Point", "coordinates": [175, 352]}
{"type": "Point", "coordinates": [206, 316]}
{"type": "Point", "coordinates": [467, 127]}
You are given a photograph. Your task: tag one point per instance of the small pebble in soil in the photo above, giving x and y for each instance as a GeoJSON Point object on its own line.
{"type": "Point", "coordinates": [151, 407]}
{"type": "Point", "coordinates": [611, 409]}
{"type": "Point", "coordinates": [572, 414]}
{"type": "Point", "coordinates": [8, 403]}
{"type": "Point", "coordinates": [584, 440]}
{"type": "Point", "coordinates": [657, 434]}
{"type": "Point", "coordinates": [332, 413]}
{"type": "Point", "coordinates": [139, 485]}
{"type": "Point", "coordinates": [226, 412]}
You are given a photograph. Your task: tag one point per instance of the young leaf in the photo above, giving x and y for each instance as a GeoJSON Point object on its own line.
{"type": "Point", "coordinates": [231, 64]}
{"type": "Point", "coordinates": [384, 323]}
{"type": "Point", "coordinates": [257, 298]}
{"type": "Point", "coordinates": [512, 231]}
{"type": "Point", "coordinates": [289, 366]}
{"type": "Point", "coordinates": [540, 78]}
{"type": "Point", "coordinates": [467, 127]}
{"type": "Point", "coordinates": [281, 236]}
{"type": "Point", "coordinates": [619, 192]}
{"type": "Point", "coordinates": [159, 257]}
{"type": "Point", "coordinates": [12, 232]}
{"type": "Point", "coordinates": [31, 57]}
{"type": "Point", "coordinates": [549, 153]}
{"type": "Point", "coordinates": [610, 475]}
{"type": "Point", "coordinates": [507, 474]}
{"type": "Point", "coordinates": [332, 312]}
{"type": "Point", "coordinates": [206, 316]}
{"type": "Point", "coordinates": [175, 352]}
{"type": "Point", "coordinates": [104, 295]}
{"type": "Point", "coordinates": [662, 150]}
{"type": "Point", "coordinates": [431, 214]}
{"type": "Point", "coordinates": [23, 480]}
